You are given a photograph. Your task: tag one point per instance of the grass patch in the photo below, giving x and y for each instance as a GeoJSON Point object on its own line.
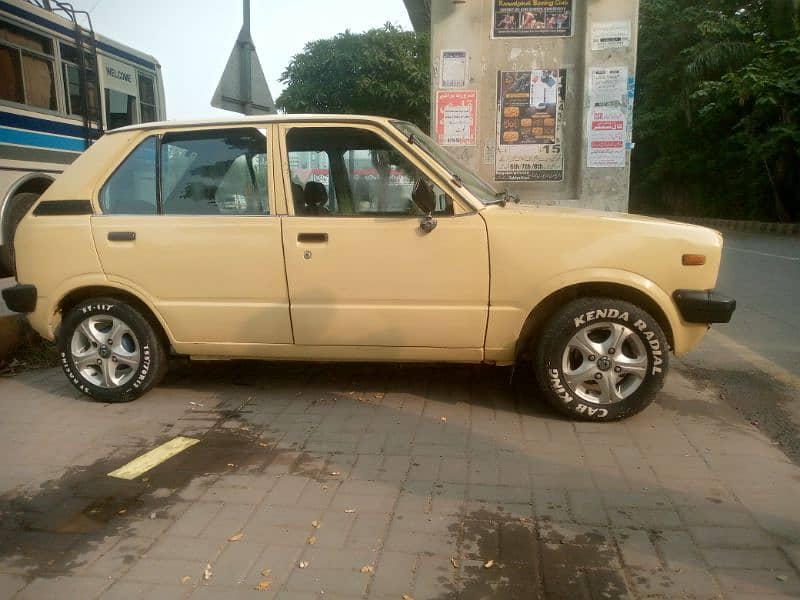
{"type": "Point", "coordinates": [33, 353]}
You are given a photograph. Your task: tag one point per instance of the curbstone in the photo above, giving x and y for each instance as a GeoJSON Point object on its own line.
{"type": "Point", "coordinates": [792, 229]}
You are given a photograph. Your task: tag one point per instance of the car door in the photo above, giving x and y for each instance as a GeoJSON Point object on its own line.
{"type": "Point", "coordinates": [188, 221]}
{"type": "Point", "coordinates": [361, 271]}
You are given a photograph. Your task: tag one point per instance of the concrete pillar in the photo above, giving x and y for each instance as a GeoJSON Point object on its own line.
{"type": "Point", "coordinates": [468, 25]}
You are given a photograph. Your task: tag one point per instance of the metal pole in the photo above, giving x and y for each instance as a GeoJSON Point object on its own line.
{"type": "Point", "coordinates": [245, 49]}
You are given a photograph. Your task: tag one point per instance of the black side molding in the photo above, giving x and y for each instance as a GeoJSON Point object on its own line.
{"type": "Point", "coordinates": [704, 306]}
{"type": "Point", "coordinates": [51, 208]}
{"type": "Point", "coordinates": [20, 298]}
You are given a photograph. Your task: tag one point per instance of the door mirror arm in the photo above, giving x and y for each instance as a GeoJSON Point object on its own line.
{"type": "Point", "coordinates": [428, 223]}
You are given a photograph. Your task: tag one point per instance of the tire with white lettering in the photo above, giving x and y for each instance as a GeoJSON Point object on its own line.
{"type": "Point", "coordinates": [110, 351]}
{"type": "Point", "coordinates": [601, 359]}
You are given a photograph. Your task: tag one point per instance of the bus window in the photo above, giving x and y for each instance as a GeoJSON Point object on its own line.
{"type": "Point", "coordinates": [72, 83]}
{"type": "Point", "coordinates": [120, 109]}
{"type": "Point", "coordinates": [26, 68]}
{"type": "Point", "coordinates": [147, 99]}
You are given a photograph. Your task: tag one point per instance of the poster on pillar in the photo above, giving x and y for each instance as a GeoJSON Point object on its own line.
{"type": "Point", "coordinates": [608, 117]}
{"type": "Point", "coordinates": [529, 105]}
{"type": "Point", "coordinates": [532, 18]}
{"type": "Point", "coordinates": [456, 114]}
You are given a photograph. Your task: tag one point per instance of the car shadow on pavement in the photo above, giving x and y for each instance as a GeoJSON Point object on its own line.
{"type": "Point", "coordinates": [447, 481]}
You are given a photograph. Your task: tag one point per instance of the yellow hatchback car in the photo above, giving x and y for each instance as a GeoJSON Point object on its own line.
{"type": "Point", "coordinates": [345, 238]}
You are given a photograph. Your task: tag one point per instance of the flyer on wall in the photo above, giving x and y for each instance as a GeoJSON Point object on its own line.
{"type": "Point", "coordinates": [608, 86]}
{"type": "Point", "coordinates": [453, 67]}
{"type": "Point", "coordinates": [532, 18]}
{"type": "Point", "coordinates": [614, 34]}
{"type": "Point", "coordinates": [607, 138]}
{"type": "Point", "coordinates": [456, 114]}
{"type": "Point", "coordinates": [528, 125]}
{"type": "Point", "coordinates": [608, 123]}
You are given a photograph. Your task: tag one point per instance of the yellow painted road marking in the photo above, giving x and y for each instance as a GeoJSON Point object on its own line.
{"type": "Point", "coordinates": [153, 458]}
{"type": "Point", "coordinates": [777, 372]}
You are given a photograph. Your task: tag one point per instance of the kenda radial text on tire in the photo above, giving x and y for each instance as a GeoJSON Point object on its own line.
{"type": "Point", "coordinates": [601, 359]}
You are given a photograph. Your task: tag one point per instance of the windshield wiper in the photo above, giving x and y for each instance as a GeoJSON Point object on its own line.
{"type": "Point", "coordinates": [502, 198]}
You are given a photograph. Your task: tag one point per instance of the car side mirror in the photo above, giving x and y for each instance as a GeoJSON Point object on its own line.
{"type": "Point", "coordinates": [423, 196]}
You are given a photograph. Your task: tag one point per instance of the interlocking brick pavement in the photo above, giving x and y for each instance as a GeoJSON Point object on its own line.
{"type": "Point", "coordinates": [371, 482]}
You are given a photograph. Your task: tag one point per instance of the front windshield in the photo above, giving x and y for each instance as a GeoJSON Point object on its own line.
{"type": "Point", "coordinates": [479, 188]}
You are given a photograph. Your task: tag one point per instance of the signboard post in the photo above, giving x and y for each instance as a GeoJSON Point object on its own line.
{"type": "Point", "coordinates": [243, 87]}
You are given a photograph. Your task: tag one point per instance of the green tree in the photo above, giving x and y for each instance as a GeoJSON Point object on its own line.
{"type": "Point", "coordinates": [383, 72]}
{"type": "Point", "coordinates": [716, 121]}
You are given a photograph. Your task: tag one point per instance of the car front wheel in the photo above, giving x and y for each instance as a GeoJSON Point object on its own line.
{"type": "Point", "coordinates": [601, 359]}
{"type": "Point", "coordinates": [110, 351]}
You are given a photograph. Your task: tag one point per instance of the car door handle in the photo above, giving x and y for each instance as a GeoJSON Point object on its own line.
{"type": "Point", "coordinates": [312, 238]}
{"type": "Point", "coordinates": [121, 236]}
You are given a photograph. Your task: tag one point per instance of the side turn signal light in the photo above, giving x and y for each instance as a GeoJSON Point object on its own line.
{"type": "Point", "coordinates": [694, 260]}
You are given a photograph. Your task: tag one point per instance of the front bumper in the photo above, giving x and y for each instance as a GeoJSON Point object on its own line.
{"type": "Point", "coordinates": [704, 306]}
{"type": "Point", "coordinates": [20, 298]}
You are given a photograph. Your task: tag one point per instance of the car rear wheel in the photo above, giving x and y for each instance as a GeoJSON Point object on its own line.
{"type": "Point", "coordinates": [601, 359]}
{"type": "Point", "coordinates": [110, 351]}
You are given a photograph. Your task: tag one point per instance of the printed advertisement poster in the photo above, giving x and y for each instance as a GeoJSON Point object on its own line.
{"type": "Point", "coordinates": [453, 69]}
{"type": "Point", "coordinates": [528, 125]}
{"type": "Point", "coordinates": [608, 87]}
{"type": "Point", "coordinates": [532, 18]}
{"type": "Point", "coordinates": [607, 138]}
{"type": "Point", "coordinates": [456, 115]}
{"type": "Point", "coordinates": [615, 34]}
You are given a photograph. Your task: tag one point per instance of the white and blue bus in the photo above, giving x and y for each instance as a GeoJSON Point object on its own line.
{"type": "Point", "coordinates": [61, 87]}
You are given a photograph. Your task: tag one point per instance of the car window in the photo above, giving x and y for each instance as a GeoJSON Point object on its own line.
{"type": "Point", "coordinates": [343, 171]}
{"type": "Point", "coordinates": [131, 190]}
{"type": "Point", "coordinates": [214, 172]}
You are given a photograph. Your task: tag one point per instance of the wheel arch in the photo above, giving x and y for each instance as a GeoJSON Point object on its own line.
{"type": "Point", "coordinates": [77, 295]}
{"type": "Point", "coordinates": [547, 307]}
{"type": "Point", "coordinates": [32, 183]}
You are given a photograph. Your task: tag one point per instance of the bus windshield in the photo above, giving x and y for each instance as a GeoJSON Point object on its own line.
{"type": "Point", "coordinates": [481, 189]}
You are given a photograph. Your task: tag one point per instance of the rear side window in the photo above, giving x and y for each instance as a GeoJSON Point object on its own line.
{"type": "Point", "coordinates": [131, 190]}
{"type": "Point", "coordinates": [214, 172]}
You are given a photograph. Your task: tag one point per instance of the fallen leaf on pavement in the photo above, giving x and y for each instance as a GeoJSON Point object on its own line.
{"type": "Point", "coordinates": [407, 597]}
{"type": "Point", "coordinates": [186, 579]}
{"type": "Point", "coordinates": [266, 572]}
{"type": "Point", "coordinates": [303, 564]}
{"type": "Point", "coordinates": [488, 565]}
{"type": "Point", "coordinates": [207, 572]}
{"type": "Point", "coordinates": [454, 562]}
{"type": "Point", "coordinates": [263, 586]}
{"type": "Point", "coordinates": [236, 538]}
{"type": "Point", "coordinates": [782, 578]}
{"type": "Point", "coordinates": [367, 569]}
{"type": "Point", "coordinates": [312, 540]}
{"type": "Point", "coordinates": [315, 524]}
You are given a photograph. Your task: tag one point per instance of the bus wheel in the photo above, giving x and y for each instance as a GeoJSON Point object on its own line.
{"type": "Point", "coordinates": [18, 206]}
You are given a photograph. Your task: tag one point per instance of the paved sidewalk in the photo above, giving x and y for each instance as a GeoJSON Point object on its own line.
{"type": "Point", "coordinates": [383, 481]}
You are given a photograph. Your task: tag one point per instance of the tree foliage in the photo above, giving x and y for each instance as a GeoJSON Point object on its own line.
{"type": "Point", "coordinates": [383, 71]}
{"type": "Point", "coordinates": [717, 119]}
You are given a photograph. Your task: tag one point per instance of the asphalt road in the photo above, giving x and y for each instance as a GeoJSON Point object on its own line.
{"type": "Point", "coordinates": [763, 273]}
{"type": "Point", "coordinates": [755, 359]}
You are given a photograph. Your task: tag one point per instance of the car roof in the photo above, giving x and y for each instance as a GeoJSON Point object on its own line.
{"type": "Point", "coordinates": [282, 118]}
